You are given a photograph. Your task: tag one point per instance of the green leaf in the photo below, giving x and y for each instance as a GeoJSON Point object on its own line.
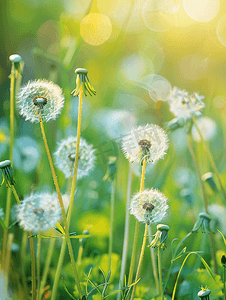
{"type": "Point", "coordinates": [69, 293]}
{"type": "Point", "coordinates": [222, 237]}
{"type": "Point", "coordinates": [59, 228]}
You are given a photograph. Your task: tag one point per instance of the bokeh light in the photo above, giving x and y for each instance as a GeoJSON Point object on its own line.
{"type": "Point", "coordinates": [221, 30]}
{"type": "Point", "coordinates": [95, 29]}
{"type": "Point", "coordinates": [201, 10]}
{"type": "Point", "coordinates": [160, 15]}
{"type": "Point", "coordinates": [193, 67]}
{"type": "Point", "coordinates": [219, 102]}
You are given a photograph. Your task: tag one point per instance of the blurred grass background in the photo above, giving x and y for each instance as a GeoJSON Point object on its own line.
{"type": "Point", "coordinates": [190, 55]}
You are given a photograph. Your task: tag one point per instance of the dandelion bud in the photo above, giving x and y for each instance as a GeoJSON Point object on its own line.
{"type": "Point", "coordinates": [203, 222]}
{"type": "Point", "coordinates": [111, 172]}
{"type": "Point", "coordinates": [7, 172]}
{"type": "Point", "coordinates": [148, 142]}
{"type": "Point", "coordinates": [208, 177]}
{"type": "Point", "coordinates": [149, 206]}
{"type": "Point", "coordinates": [187, 195]}
{"type": "Point", "coordinates": [16, 58]}
{"type": "Point", "coordinates": [160, 236]}
{"type": "Point", "coordinates": [204, 294]}
{"type": "Point", "coordinates": [223, 261]}
{"type": "Point", "coordinates": [40, 98]}
{"type": "Point", "coordinates": [175, 124]}
{"type": "Point", "coordinates": [83, 80]}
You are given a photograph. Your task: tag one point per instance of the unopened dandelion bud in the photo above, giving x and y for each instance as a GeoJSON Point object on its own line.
{"type": "Point", "coordinates": [82, 80]}
{"type": "Point", "coordinates": [187, 195]}
{"type": "Point", "coordinates": [223, 261]}
{"type": "Point", "coordinates": [204, 294]}
{"type": "Point", "coordinates": [203, 223]}
{"type": "Point", "coordinates": [7, 172]}
{"type": "Point", "coordinates": [208, 177]}
{"type": "Point", "coordinates": [160, 236]}
{"type": "Point", "coordinates": [16, 58]}
{"type": "Point", "coordinates": [175, 124]}
{"type": "Point", "coordinates": [111, 172]}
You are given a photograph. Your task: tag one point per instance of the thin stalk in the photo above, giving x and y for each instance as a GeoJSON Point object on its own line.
{"type": "Point", "coordinates": [5, 234]}
{"type": "Point", "coordinates": [23, 262]}
{"type": "Point", "coordinates": [212, 162]}
{"type": "Point", "coordinates": [111, 223]}
{"type": "Point", "coordinates": [62, 210]}
{"type": "Point", "coordinates": [204, 198]}
{"type": "Point", "coordinates": [154, 265]}
{"type": "Point", "coordinates": [160, 273]}
{"type": "Point", "coordinates": [126, 232]}
{"type": "Point", "coordinates": [224, 284]}
{"type": "Point", "coordinates": [132, 263]}
{"type": "Point", "coordinates": [47, 264]}
{"type": "Point", "coordinates": [38, 264]}
{"type": "Point", "coordinates": [140, 260]}
{"type": "Point", "coordinates": [174, 255]}
{"type": "Point", "coordinates": [8, 256]}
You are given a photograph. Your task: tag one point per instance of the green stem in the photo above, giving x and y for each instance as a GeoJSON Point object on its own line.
{"type": "Point", "coordinates": [5, 235]}
{"type": "Point", "coordinates": [224, 284]}
{"type": "Point", "coordinates": [38, 264]}
{"type": "Point", "coordinates": [62, 210]}
{"type": "Point", "coordinates": [23, 262]}
{"type": "Point", "coordinates": [47, 264]}
{"type": "Point", "coordinates": [210, 158]}
{"type": "Point", "coordinates": [111, 223]}
{"type": "Point", "coordinates": [132, 263]}
{"type": "Point", "coordinates": [126, 232]}
{"type": "Point", "coordinates": [8, 256]}
{"type": "Point", "coordinates": [204, 197]}
{"type": "Point", "coordinates": [160, 273]}
{"type": "Point", "coordinates": [154, 265]}
{"type": "Point", "coordinates": [140, 260]}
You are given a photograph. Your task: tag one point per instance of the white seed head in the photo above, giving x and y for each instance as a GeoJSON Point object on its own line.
{"type": "Point", "coordinates": [40, 97]}
{"type": "Point", "coordinates": [207, 127]}
{"type": "Point", "coordinates": [183, 105]}
{"type": "Point", "coordinates": [148, 142]}
{"type": "Point", "coordinates": [39, 212]}
{"type": "Point", "coordinates": [65, 157]}
{"type": "Point", "coordinates": [149, 206]}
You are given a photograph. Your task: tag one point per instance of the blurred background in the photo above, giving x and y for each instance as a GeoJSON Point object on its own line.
{"type": "Point", "coordinates": [135, 51]}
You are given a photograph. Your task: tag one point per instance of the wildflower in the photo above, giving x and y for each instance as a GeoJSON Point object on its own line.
{"type": "Point", "coordinates": [65, 157]}
{"type": "Point", "coordinates": [160, 236]}
{"type": "Point", "coordinates": [39, 212]}
{"type": "Point", "coordinates": [208, 177]}
{"type": "Point", "coordinates": [207, 127]}
{"type": "Point", "coordinates": [183, 105]}
{"type": "Point", "coordinates": [203, 222]}
{"type": "Point", "coordinates": [149, 206]}
{"type": "Point", "coordinates": [83, 80]}
{"type": "Point", "coordinates": [40, 98]}
{"type": "Point", "coordinates": [204, 294]}
{"type": "Point", "coordinates": [7, 172]}
{"type": "Point", "coordinates": [148, 142]}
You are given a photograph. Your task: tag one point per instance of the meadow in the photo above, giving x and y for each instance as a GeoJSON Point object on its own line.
{"type": "Point", "coordinates": [112, 150]}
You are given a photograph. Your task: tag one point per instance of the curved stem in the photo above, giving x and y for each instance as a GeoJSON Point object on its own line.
{"type": "Point", "coordinates": [136, 229]}
{"type": "Point", "coordinates": [111, 223]}
{"type": "Point", "coordinates": [154, 265]}
{"type": "Point", "coordinates": [210, 158]}
{"type": "Point", "coordinates": [140, 259]}
{"type": "Point", "coordinates": [126, 232]}
{"type": "Point", "coordinates": [160, 273]}
{"type": "Point", "coordinates": [62, 211]}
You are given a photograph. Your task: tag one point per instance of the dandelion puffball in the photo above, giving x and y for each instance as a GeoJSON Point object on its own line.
{"type": "Point", "coordinates": [148, 142]}
{"type": "Point", "coordinates": [65, 157]}
{"type": "Point", "coordinates": [149, 206]}
{"type": "Point", "coordinates": [40, 98]}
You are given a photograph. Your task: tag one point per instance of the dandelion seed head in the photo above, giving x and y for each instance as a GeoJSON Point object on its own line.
{"type": "Point", "coordinates": [183, 105]}
{"type": "Point", "coordinates": [148, 142]}
{"type": "Point", "coordinates": [40, 97]}
{"type": "Point", "coordinates": [65, 157]}
{"type": "Point", "coordinates": [207, 127]}
{"type": "Point", "coordinates": [39, 212]}
{"type": "Point", "coordinates": [149, 206]}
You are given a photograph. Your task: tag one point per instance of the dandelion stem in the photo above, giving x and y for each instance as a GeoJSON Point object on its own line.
{"type": "Point", "coordinates": [23, 262]}
{"type": "Point", "coordinates": [38, 264]}
{"type": "Point", "coordinates": [126, 232]}
{"type": "Point", "coordinates": [203, 196]}
{"type": "Point", "coordinates": [210, 158]}
{"type": "Point", "coordinates": [140, 260]}
{"type": "Point", "coordinates": [160, 273]}
{"type": "Point", "coordinates": [224, 284]}
{"type": "Point", "coordinates": [8, 256]}
{"type": "Point", "coordinates": [111, 223]}
{"type": "Point", "coordinates": [154, 265]}
{"type": "Point", "coordinates": [132, 262]}
{"type": "Point", "coordinates": [47, 264]}
{"type": "Point", "coordinates": [62, 210]}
